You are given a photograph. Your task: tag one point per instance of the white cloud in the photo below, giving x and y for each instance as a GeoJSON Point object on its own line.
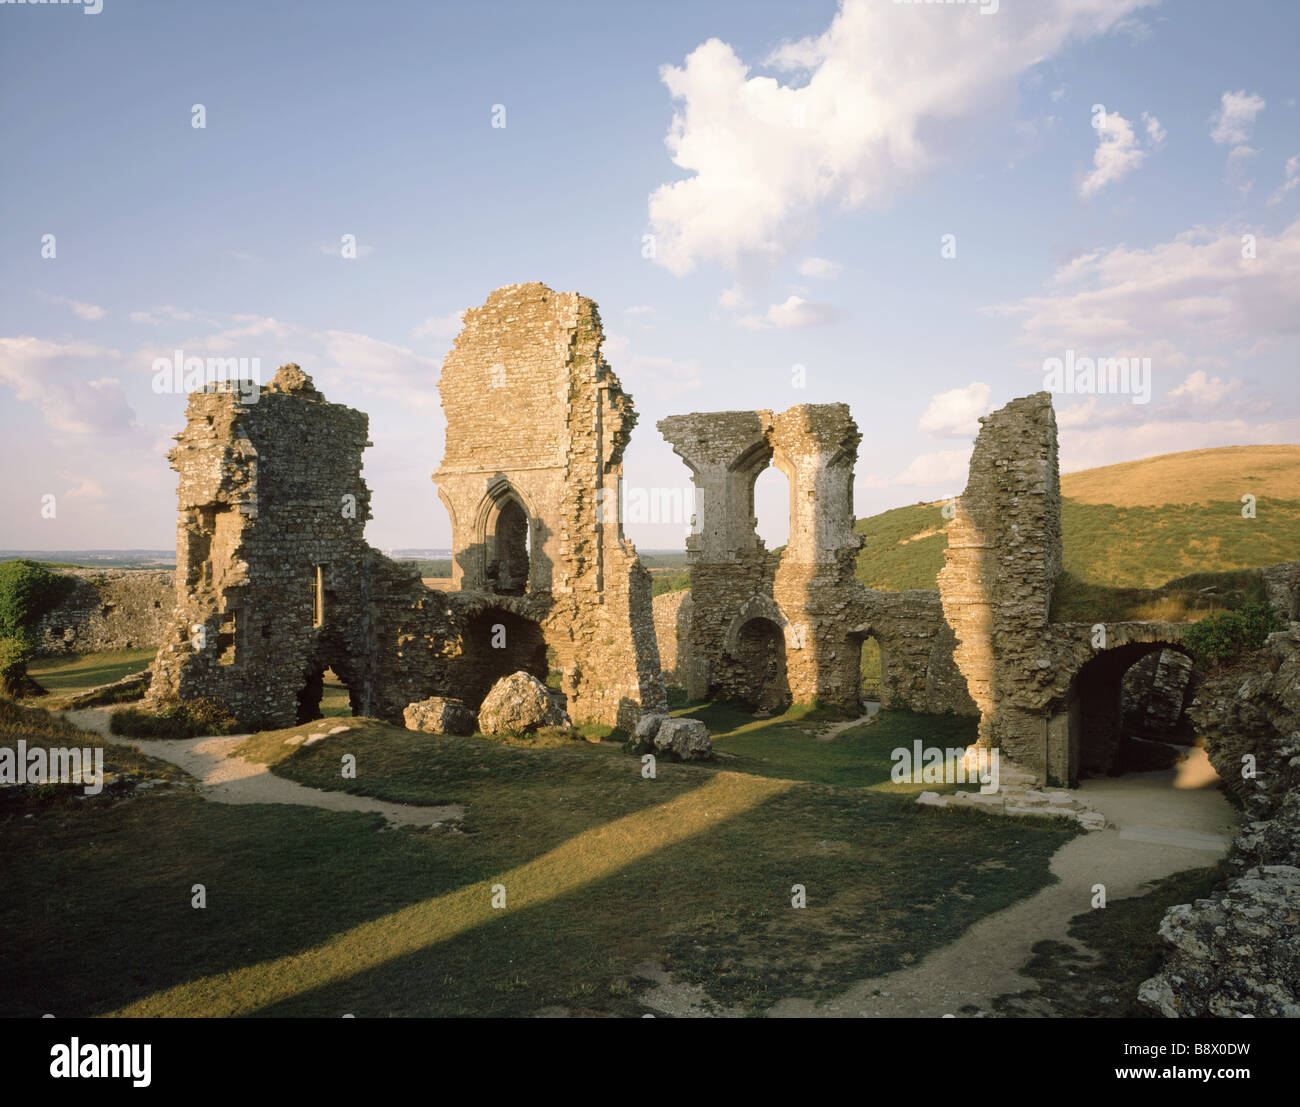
{"type": "Point", "coordinates": [91, 312]}
{"type": "Point", "coordinates": [662, 378]}
{"type": "Point", "coordinates": [639, 309]}
{"type": "Point", "coordinates": [1107, 445]}
{"type": "Point", "coordinates": [1238, 166]}
{"type": "Point", "coordinates": [956, 412]}
{"type": "Point", "coordinates": [1189, 303]}
{"type": "Point", "coordinates": [1118, 152]}
{"type": "Point", "coordinates": [1199, 387]}
{"type": "Point", "coordinates": [1235, 117]}
{"type": "Point", "coordinates": [441, 326]}
{"type": "Point", "coordinates": [765, 158]}
{"type": "Point", "coordinates": [794, 313]}
{"type": "Point", "coordinates": [57, 379]}
{"type": "Point", "coordinates": [1155, 133]}
{"type": "Point", "coordinates": [1292, 179]}
{"type": "Point", "coordinates": [821, 268]}
{"type": "Point", "coordinates": [945, 467]}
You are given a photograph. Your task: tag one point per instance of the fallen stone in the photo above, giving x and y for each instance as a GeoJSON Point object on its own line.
{"type": "Point", "coordinates": [439, 715]}
{"type": "Point", "coordinates": [520, 704]}
{"type": "Point", "coordinates": [687, 739]}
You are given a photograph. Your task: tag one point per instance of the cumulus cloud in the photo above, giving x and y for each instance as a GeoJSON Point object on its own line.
{"type": "Point", "coordinates": [820, 268]}
{"type": "Point", "coordinates": [1190, 303]}
{"type": "Point", "coordinates": [1235, 117]}
{"type": "Point", "coordinates": [944, 467]}
{"type": "Point", "coordinates": [91, 312]}
{"type": "Point", "coordinates": [61, 380]}
{"type": "Point", "coordinates": [1292, 179]}
{"type": "Point", "coordinates": [1118, 152]}
{"type": "Point", "coordinates": [1156, 134]}
{"type": "Point", "coordinates": [794, 313]}
{"type": "Point", "coordinates": [872, 102]}
{"type": "Point", "coordinates": [957, 411]}
{"type": "Point", "coordinates": [441, 326]}
{"type": "Point", "coordinates": [662, 378]}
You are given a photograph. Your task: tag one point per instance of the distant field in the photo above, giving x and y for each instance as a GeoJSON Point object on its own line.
{"type": "Point", "coordinates": [1196, 476]}
{"type": "Point", "coordinates": [1133, 559]}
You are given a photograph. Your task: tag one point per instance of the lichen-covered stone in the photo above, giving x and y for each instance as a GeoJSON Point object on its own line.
{"type": "Point", "coordinates": [520, 704]}
{"type": "Point", "coordinates": [685, 739]}
{"type": "Point", "coordinates": [440, 715]}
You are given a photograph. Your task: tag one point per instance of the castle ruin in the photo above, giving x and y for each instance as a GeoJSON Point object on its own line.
{"type": "Point", "coordinates": [275, 583]}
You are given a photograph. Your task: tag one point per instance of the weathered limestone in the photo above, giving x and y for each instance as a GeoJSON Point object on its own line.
{"type": "Point", "coordinates": [520, 704]}
{"type": "Point", "coordinates": [536, 427]}
{"type": "Point", "coordinates": [684, 739]}
{"type": "Point", "coordinates": [1048, 693]}
{"type": "Point", "coordinates": [273, 576]}
{"type": "Point", "coordinates": [768, 630]}
{"type": "Point", "coordinates": [108, 609]}
{"type": "Point", "coordinates": [1235, 953]}
{"type": "Point", "coordinates": [440, 715]}
{"type": "Point", "coordinates": [275, 582]}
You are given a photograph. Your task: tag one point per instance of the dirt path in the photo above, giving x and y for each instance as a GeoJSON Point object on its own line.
{"type": "Point", "coordinates": [226, 779]}
{"type": "Point", "coordinates": [837, 729]}
{"type": "Point", "coordinates": [1156, 829]}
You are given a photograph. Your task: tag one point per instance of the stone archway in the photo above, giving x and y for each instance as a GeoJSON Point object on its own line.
{"type": "Point", "coordinates": [504, 538]}
{"type": "Point", "coordinates": [1093, 712]}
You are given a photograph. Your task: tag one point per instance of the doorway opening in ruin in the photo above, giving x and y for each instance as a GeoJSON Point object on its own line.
{"type": "Point", "coordinates": [510, 551]}
{"type": "Point", "coordinates": [761, 683]}
{"type": "Point", "coordinates": [770, 507]}
{"type": "Point", "coordinates": [496, 644]}
{"type": "Point", "coordinates": [871, 671]}
{"type": "Point", "coordinates": [1125, 711]}
{"type": "Point", "coordinates": [324, 695]}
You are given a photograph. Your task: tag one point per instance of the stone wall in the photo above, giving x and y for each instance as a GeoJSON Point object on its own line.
{"type": "Point", "coordinates": [1234, 954]}
{"type": "Point", "coordinates": [108, 609]}
{"type": "Point", "coordinates": [1049, 694]}
{"type": "Point", "coordinates": [537, 423]}
{"type": "Point", "coordinates": [275, 582]}
{"type": "Point", "coordinates": [767, 630]}
{"type": "Point", "coordinates": [672, 616]}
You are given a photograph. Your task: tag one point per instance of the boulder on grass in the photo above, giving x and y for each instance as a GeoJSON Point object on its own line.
{"type": "Point", "coordinates": [440, 715]}
{"type": "Point", "coordinates": [520, 704]}
{"type": "Point", "coordinates": [687, 739]}
{"type": "Point", "coordinates": [643, 738]}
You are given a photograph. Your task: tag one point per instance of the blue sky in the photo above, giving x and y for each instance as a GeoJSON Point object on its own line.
{"type": "Point", "coordinates": [797, 165]}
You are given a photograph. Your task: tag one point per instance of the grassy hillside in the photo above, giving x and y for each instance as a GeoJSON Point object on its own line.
{"type": "Point", "coordinates": [1161, 538]}
{"type": "Point", "coordinates": [1196, 476]}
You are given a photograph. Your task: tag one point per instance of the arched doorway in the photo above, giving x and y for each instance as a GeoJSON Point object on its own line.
{"type": "Point", "coordinates": [759, 671]}
{"type": "Point", "coordinates": [509, 553]}
{"type": "Point", "coordinates": [497, 643]}
{"type": "Point", "coordinates": [871, 671]}
{"type": "Point", "coordinates": [1109, 702]}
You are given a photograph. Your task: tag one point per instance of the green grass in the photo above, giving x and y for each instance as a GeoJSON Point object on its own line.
{"type": "Point", "coordinates": [1124, 936]}
{"type": "Point", "coordinates": [321, 913]}
{"type": "Point", "coordinates": [786, 747]}
{"type": "Point", "coordinates": [1144, 562]}
{"type": "Point", "coordinates": [70, 676]}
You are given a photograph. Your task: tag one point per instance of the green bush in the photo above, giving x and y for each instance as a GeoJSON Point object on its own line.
{"type": "Point", "coordinates": [1221, 637]}
{"type": "Point", "coordinates": [28, 590]}
{"type": "Point", "coordinates": [13, 665]}
{"type": "Point", "coordinates": [185, 719]}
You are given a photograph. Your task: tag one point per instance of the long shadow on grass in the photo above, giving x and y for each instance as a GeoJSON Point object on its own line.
{"type": "Point", "coordinates": [884, 888]}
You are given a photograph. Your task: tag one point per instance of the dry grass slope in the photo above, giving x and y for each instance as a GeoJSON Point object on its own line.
{"type": "Point", "coordinates": [1195, 476]}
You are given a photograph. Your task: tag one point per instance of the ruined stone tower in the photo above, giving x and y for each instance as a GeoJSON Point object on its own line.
{"type": "Point", "coordinates": [767, 630]}
{"type": "Point", "coordinates": [537, 423]}
{"type": "Point", "coordinates": [272, 570]}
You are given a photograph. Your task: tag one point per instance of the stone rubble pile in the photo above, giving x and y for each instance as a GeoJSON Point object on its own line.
{"type": "Point", "coordinates": [1236, 953]}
